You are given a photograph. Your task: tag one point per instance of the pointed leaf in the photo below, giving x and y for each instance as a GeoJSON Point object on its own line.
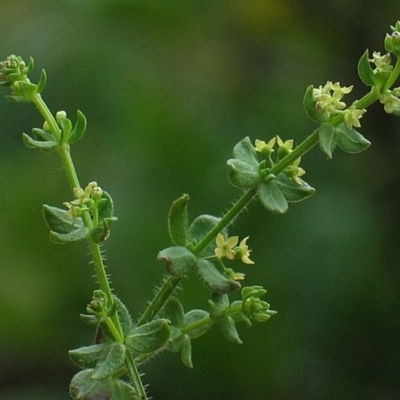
{"type": "Point", "coordinates": [44, 145]}
{"type": "Point", "coordinates": [90, 356]}
{"type": "Point", "coordinates": [112, 363]}
{"type": "Point", "coordinates": [149, 337]}
{"type": "Point", "coordinates": [124, 316]}
{"type": "Point", "coordinates": [65, 125]}
{"type": "Point", "coordinates": [179, 260]}
{"type": "Point", "coordinates": [193, 317]}
{"type": "Point", "coordinates": [178, 221]}
{"type": "Point", "coordinates": [327, 139]}
{"type": "Point", "coordinates": [41, 134]}
{"type": "Point", "coordinates": [79, 128]}
{"type": "Point", "coordinates": [351, 141]}
{"type": "Point", "coordinates": [291, 190]}
{"type": "Point", "coordinates": [229, 330]}
{"type": "Point", "coordinates": [186, 352]}
{"type": "Point", "coordinates": [365, 71]}
{"type": "Point", "coordinates": [310, 107]}
{"type": "Point", "coordinates": [272, 197]}
{"type": "Point", "coordinates": [42, 81]}
{"type": "Point", "coordinates": [173, 310]}
{"type": "Point", "coordinates": [213, 279]}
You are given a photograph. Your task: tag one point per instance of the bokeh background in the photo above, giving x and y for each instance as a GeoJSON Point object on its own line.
{"type": "Point", "coordinates": [168, 88]}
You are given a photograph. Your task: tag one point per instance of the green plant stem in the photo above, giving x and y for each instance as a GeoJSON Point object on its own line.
{"type": "Point", "coordinates": [227, 219]}
{"type": "Point", "coordinates": [163, 294]}
{"type": "Point", "coordinates": [169, 285]}
{"type": "Point", "coordinates": [135, 376]}
{"type": "Point", "coordinates": [47, 115]}
{"type": "Point", "coordinates": [393, 76]}
{"type": "Point", "coordinates": [72, 176]}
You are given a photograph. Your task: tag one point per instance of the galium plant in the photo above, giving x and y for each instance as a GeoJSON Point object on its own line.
{"type": "Point", "coordinates": [268, 170]}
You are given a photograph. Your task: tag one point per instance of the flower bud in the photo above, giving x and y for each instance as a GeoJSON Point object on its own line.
{"type": "Point", "coordinates": [392, 41]}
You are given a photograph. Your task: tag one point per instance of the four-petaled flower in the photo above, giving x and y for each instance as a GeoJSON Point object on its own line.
{"type": "Point", "coordinates": [265, 148]}
{"type": "Point", "coordinates": [225, 247]}
{"type": "Point", "coordinates": [229, 249]}
{"type": "Point", "coordinates": [244, 252]}
{"type": "Point", "coordinates": [353, 115]}
{"type": "Point", "coordinates": [382, 63]}
{"type": "Point", "coordinates": [295, 171]}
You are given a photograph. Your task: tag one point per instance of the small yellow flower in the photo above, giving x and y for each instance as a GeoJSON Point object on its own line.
{"type": "Point", "coordinates": [287, 144]}
{"type": "Point", "coordinates": [244, 252]}
{"type": "Point", "coordinates": [295, 171]}
{"type": "Point", "coordinates": [225, 248]}
{"type": "Point", "coordinates": [265, 148]}
{"type": "Point", "coordinates": [352, 116]}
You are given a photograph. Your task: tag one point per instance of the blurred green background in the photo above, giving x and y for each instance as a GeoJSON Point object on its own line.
{"type": "Point", "coordinates": [168, 88]}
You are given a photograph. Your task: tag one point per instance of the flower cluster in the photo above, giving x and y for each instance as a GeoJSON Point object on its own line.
{"type": "Point", "coordinates": [329, 97]}
{"type": "Point", "coordinates": [14, 69]}
{"type": "Point", "coordinates": [228, 248]}
{"type": "Point", "coordinates": [294, 171]}
{"type": "Point", "coordinates": [391, 101]}
{"type": "Point", "coordinates": [84, 199]}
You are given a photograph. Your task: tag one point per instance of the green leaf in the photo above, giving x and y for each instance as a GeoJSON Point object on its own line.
{"type": "Point", "coordinates": [41, 134]}
{"type": "Point", "coordinates": [229, 330]}
{"type": "Point", "coordinates": [365, 71]}
{"type": "Point", "coordinates": [62, 228]}
{"type": "Point", "coordinates": [44, 145]}
{"type": "Point", "coordinates": [42, 81]}
{"type": "Point", "coordinates": [179, 260]}
{"type": "Point", "coordinates": [218, 304]}
{"type": "Point", "coordinates": [178, 221]}
{"type": "Point", "coordinates": [186, 352]}
{"type": "Point", "coordinates": [243, 175]}
{"type": "Point", "coordinates": [79, 128]}
{"type": "Point", "coordinates": [350, 141]}
{"type": "Point", "coordinates": [291, 190]}
{"type": "Point", "coordinates": [150, 337]}
{"type": "Point", "coordinates": [173, 310]}
{"type": "Point", "coordinates": [90, 356]}
{"type": "Point", "coordinates": [176, 340]}
{"type": "Point", "coordinates": [74, 236]}
{"type": "Point", "coordinates": [102, 231]}
{"type": "Point", "coordinates": [244, 166]}
{"type": "Point", "coordinates": [199, 228]}
{"type": "Point", "coordinates": [125, 318]}
{"type": "Point", "coordinates": [327, 139]}
{"type": "Point", "coordinates": [66, 126]}
{"type": "Point", "coordinates": [272, 197]}
{"type": "Point", "coordinates": [58, 220]}
{"type": "Point", "coordinates": [194, 316]}
{"type": "Point", "coordinates": [213, 280]}
{"type": "Point", "coordinates": [83, 387]}
{"type": "Point", "coordinates": [244, 151]}
{"type": "Point", "coordinates": [106, 207]}
{"type": "Point", "coordinates": [310, 107]}
{"type": "Point", "coordinates": [112, 363]}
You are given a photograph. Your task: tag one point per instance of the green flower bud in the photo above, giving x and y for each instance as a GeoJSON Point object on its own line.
{"type": "Point", "coordinates": [392, 41]}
